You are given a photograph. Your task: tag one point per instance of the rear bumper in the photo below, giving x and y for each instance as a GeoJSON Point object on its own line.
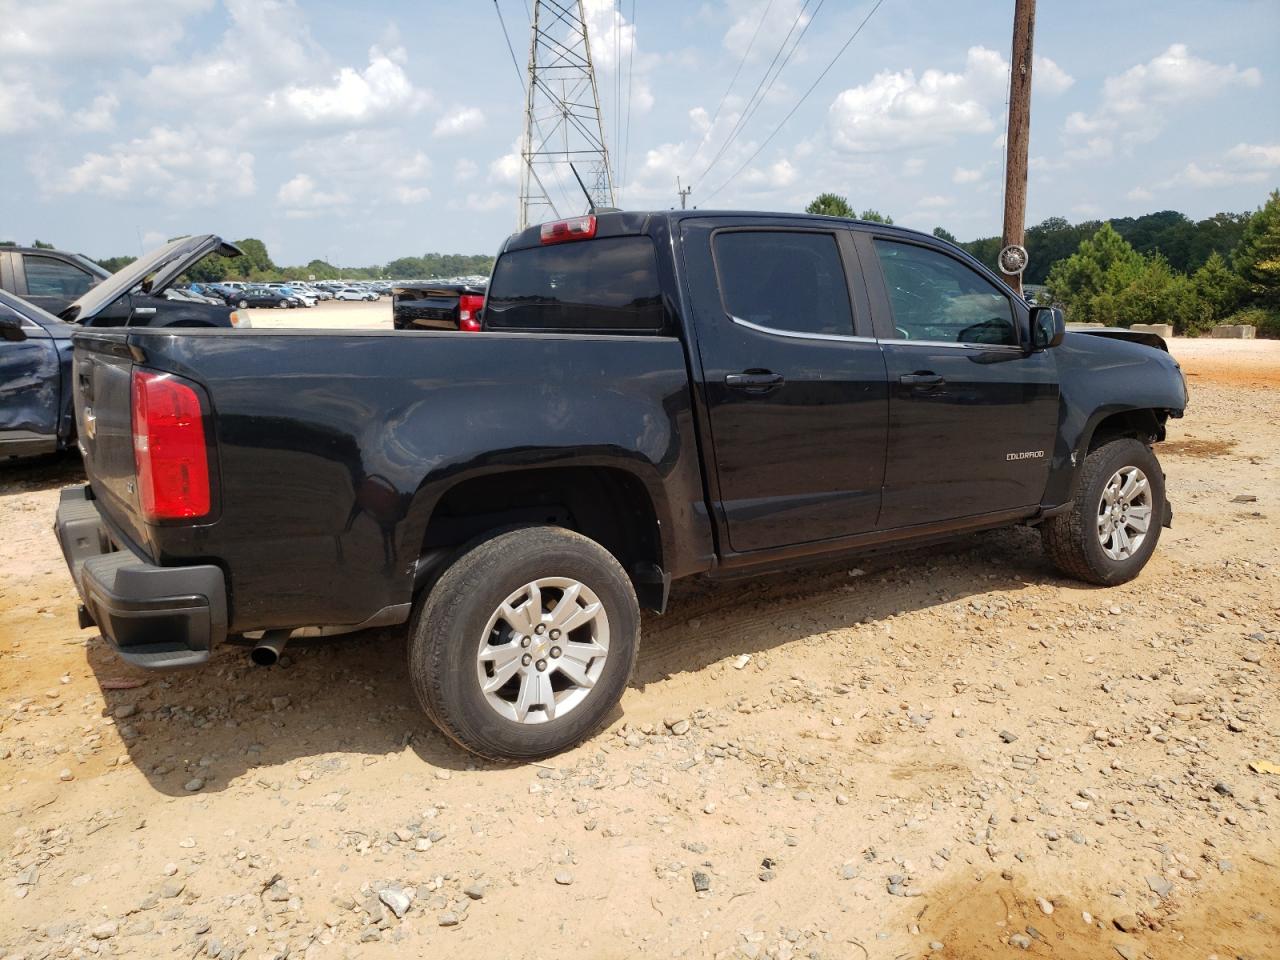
{"type": "Point", "coordinates": [155, 617]}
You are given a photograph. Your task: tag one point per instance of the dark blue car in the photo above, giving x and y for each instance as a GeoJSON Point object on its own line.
{"type": "Point", "coordinates": [35, 380]}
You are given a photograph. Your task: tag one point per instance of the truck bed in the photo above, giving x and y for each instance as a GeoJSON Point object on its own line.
{"type": "Point", "coordinates": [330, 450]}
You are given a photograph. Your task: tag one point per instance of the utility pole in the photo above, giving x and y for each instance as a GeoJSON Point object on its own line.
{"type": "Point", "coordinates": [1013, 258]}
{"type": "Point", "coordinates": [684, 194]}
{"type": "Point", "coordinates": [562, 119]}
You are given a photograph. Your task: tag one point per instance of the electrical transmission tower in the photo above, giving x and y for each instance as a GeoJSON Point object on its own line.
{"type": "Point", "coordinates": [563, 140]}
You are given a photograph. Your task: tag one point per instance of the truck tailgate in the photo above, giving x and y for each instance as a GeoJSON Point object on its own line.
{"type": "Point", "coordinates": [101, 369]}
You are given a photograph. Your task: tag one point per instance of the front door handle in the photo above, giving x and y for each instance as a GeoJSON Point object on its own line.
{"type": "Point", "coordinates": [922, 379]}
{"type": "Point", "coordinates": [754, 381]}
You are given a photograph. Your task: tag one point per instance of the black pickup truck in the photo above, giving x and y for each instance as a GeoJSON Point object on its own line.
{"type": "Point", "coordinates": [655, 396]}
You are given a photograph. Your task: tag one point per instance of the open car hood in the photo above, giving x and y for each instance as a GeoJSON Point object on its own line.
{"type": "Point", "coordinates": [151, 273]}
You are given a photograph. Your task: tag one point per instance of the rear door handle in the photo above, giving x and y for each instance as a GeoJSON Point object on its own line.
{"type": "Point", "coordinates": [921, 378]}
{"type": "Point", "coordinates": [754, 381]}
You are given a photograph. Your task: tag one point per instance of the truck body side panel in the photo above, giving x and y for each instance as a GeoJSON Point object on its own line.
{"type": "Point", "coordinates": [332, 450]}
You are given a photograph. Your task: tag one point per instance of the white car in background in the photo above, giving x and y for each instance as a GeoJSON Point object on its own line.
{"type": "Point", "coordinates": [299, 294]}
{"type": "Point", "coordinates": [355, 293]}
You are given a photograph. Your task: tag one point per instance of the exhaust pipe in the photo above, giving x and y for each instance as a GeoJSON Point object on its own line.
{"type": "Point", "coordinates": [266, 652]}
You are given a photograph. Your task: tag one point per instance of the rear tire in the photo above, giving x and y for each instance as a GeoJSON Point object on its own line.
{"type": "Point", "coordinates": [1098, 540]}
{"type": "Point", "coordinates": [547, 690]}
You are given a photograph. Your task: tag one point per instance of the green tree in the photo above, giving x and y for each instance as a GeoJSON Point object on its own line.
{"type": "Point", "coordinates": [1089, 282]}
{"type": "Point", "coordinates": [255, 256]}
{"type": "Point", "coordinates": [41, 245]}
{"type": "Point", "coordinates": [831, 205]}
{"type": "Point", "coordinates": [112, 264]}
{"type": "Point", "coordinates": [946, 235]}
{"type": "Point", "coordinates": [1257, 259]}
{"type": "Point", "coordinates": [1219, 289]}
{"type": "Point", "coordinates": [875, 216]}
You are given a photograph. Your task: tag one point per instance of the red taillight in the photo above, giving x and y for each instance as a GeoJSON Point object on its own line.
{"type": "Point", "coordinates": [579, 228]}
{"type": "Point", "coordinates": [469, 307]}
{"type": "Point", "coordinates": [168, 447]}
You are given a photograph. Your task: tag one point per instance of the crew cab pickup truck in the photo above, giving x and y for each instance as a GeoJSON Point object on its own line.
{"type": "Point", "coordinates": [655, 396]}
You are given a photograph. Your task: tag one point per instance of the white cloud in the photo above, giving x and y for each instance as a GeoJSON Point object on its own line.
{"type": "Point", "coordinates": [1135, 104]}
{"type": "Point", "coordinates": [178, 165]}
{"type": "Point", "coordinates": [99, 115]}
{"type": "Point", "coordinates": [406, 194]}
{"type": "Point", "coordinates": [778, 19]}
{"type": "Point", "coordinates": [1243, 163]}
{"type": "Point", "coordinates": [773, 177]}
{"type": "Point", "coordinates": [22, 106]}
{"type": "Point", "coordinates": [966, 175]}
{"type": "Point", "coordinates": [506, 169]}
{"type": "Point", "coordinates": [353, 96]}
{"type": "Point", "coordinates": [73, 31]}
{"type": "Point", "coordinates": [458, 122]}
{"type": "Point", "coordinates": [1138, 193]}
{"type": "Point", "coordinates": [464, 170]}
{"type": "Point", "coordinates": [934, 202]}
{"type": "Point", "coordinates": [897, 109]}
{"type": "Point", "coordinates": [1255, 156]}
{"type": "Point", "coordinates": [1048, 77]}
{"type": "Point", "coordinates": [303, 194]}
{"type": "Point", "coordinates": [488, 201]}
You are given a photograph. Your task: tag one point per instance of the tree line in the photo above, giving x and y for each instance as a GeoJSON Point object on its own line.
{"type": "Point", "coordinates": [256, 265]}
{"type": "Point", "coordinates": [1159, 268]}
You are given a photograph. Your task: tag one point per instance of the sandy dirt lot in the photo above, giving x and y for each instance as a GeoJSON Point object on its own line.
{"type": "Point", "coordinates": [951, 753]}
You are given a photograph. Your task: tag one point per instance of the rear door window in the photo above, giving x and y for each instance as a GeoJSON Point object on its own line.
{"type": "Point", "coordinates": [609, 285]}
{"type": "Point", "coordinates": [784, 280]}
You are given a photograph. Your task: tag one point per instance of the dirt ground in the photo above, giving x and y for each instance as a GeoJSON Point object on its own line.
{"type": "Point", "coordinates": [951, 753]}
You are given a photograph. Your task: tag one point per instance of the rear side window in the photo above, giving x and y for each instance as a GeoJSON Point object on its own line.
{"type": "Point", "coordinates": [47, 277]}
{"type": "Point", "coordinates": [608, 285]}
{"type": "Point", "coordinates": [784, 280]}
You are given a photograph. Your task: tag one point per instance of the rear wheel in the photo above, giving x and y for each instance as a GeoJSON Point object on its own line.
{"type": "Point", "coordinates": [525, 643]}
{"type": "Point", "coordinates": [1114, 523]}
{"type": "Point", "coordinates": [242, 304]}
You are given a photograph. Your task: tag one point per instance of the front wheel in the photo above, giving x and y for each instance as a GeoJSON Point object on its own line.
{"type": "Point", "coordinates": [1114, 522]}
{"type": "Point", "coordinates": [242, 304]}
{"type": "Point", "coordinates": [525, 643]}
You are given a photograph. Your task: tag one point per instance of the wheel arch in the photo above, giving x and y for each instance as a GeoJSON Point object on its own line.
{"type": "Point", "coordinates": [610, 504]}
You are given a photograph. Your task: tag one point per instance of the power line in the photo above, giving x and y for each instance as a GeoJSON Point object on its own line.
{"type": "Point", "coordinates": [737, 127]}
{"type": "Point", "coordinates": [853, 36]}
{"type": "Point", "coordinates": [787, 59]}
{"type": "Point", "coordinates": [729, 88]}
{"type": "Point", "coordinates": [631, 60]}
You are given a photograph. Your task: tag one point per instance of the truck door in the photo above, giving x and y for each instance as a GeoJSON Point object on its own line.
{"type": "Point", "coordinates": [793, 380]}
{"type": "Point", "coordinates": [972, 413]}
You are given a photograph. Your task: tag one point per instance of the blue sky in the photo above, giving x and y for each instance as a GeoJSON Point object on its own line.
{"type": "Point", "coordinates": [362, 132]}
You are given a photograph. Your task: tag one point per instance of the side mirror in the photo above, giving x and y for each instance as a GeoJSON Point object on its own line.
{"type": "Point", "coordinates": [11, 328]}
{"type": "Point", "coordinates": [1048, 327]}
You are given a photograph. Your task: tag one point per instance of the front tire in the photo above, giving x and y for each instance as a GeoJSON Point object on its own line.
{"type": "Point", "coordinates": [1113, 526]}
{"type": "Point", "coordinates": [525, 644]}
